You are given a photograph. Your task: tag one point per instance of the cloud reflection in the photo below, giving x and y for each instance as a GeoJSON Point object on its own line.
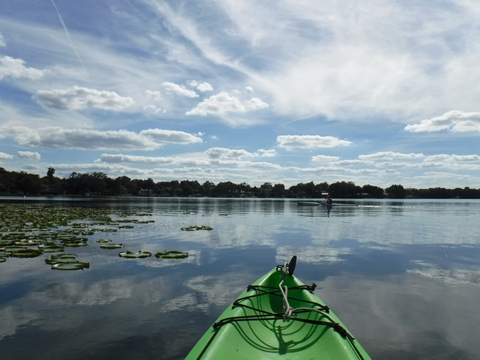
{"type": "Point", "coordinates": [13, 318]}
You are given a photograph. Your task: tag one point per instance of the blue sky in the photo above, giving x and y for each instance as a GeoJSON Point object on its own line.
{"type": "Point", "coordinates": [374, 92]}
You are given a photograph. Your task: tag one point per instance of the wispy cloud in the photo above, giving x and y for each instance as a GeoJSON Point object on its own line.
{"type": "Point", "coordinates": [68, 36]}
{"type": "Point", "coordinates": [223, 153]}
{"type": "Point", "coordinates": [15, 68]}
{"type": "Point", "coordinates": [224, 103]}
{"type": "Point", "coordinates": [455, 121]}
{"type": "Point", "coordinates": [324, 158]}
{"type": "Point", "coordinates": [119, 158]}
{"type": "Point", "coordinates": [5, 156]}
{"type": "Point", "coordinates": [77, 98]}
{"type": "Point", "coordinates": [201, 86]}
{"type": "Point", "coordinates": [391, 155]}
{"type": "Point", "coordinates": [86, 139]}
{"type": "Point", "coordinates": [171, 136]}
{"type": "Point", "coordinates": [292, 142]}
{"type": "Point", "coordinates": [33, 155]}
{"type": "Point", "coordinates": [179, 90]}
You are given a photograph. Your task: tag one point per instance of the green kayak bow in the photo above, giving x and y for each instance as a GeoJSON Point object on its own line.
{"type": "Point", "coordinates": [278, 317]}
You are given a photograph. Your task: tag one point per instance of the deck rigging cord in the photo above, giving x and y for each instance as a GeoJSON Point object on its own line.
{"type": "Point", "coordinates": [289, 313]}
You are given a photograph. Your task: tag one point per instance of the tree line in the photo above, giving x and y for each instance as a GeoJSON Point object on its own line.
{"type": "Point", "coordinates": [99, 184]}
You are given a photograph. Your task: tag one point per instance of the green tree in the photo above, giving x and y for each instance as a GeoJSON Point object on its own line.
{"type": "Point", "coordinates": [372, 191]}
{"type": "Point", "coordinates": [28, 183]}
{"type": "Point", "coordinates": [207, 188]}
{"type": "Point", "coordinates": [278, 190]}
{"type": "Point", "coordinates": [395, 191]}
{"type": "Point", "coordinates": [7, 181]}
{"type": "Point", "coordinates": [344, 189]}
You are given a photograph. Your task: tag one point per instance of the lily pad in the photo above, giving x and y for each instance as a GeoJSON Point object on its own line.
{"type": "Point", "coordinates": [171, 254]}
{"type": "Point", "coordinates": [26, 253]}
{"type": "Point", "coordinates": [111, 246]}
{"type": "Point", "coordinates": [28, 242]}
{"type": "Point", "coordinates": [132, 255]}
{"type": "Point", "coordinates": [51, 247]}
{"type": "Point", "coordinates": [15, 248]}
{"type": "Point", "coordinates": [197, 227]}
{"type": "Point", "coordinates": [61, 258]}
{"type": "Point", "coordinates": [71, 266]}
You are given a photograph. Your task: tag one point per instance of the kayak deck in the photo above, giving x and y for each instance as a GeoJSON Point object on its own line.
{"type": "Point", "coordinates": [267, 322]}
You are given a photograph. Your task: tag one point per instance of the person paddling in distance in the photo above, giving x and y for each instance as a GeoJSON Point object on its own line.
{"type": "Point", "coordinates": [328, 202]}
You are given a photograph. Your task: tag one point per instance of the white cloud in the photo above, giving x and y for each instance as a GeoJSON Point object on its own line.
{"type": "Point", "coordinates": [119, 158]}
{"type": "Point", "coordinates": [152, 109]}
{"type": "Point", "coordinates": [455, 121]}
{"type": "Point", "coordinates": [267, 153]}
{"type": "Point", "coordinates": [216, 153]}
{"type": "Point", "coordinates": [453, 162]}
{"type": "Point", "coordinates": [333, 61]}
{"type": "Point", "coordinates": [390, 155]}
{"type": "Point", "coordinates": [87, 139]}
{"type": "Point", "coordinates": [223, 153]}
{"type": "Point", "coordinates": [201, 86]}
{"type": "Point", "coordinates": [154, 95]}
{"type": "Point", "coordinates": [171, 136]}
{"type": "Point", "coordinates": [223, 103]}
{"type": "Point", "coordinates": [5, 156]}
{"type": "Point", "coordinates": [179, 90]}
{"type": "Point", "coordinates": [291, 142]}
{"type": "Point", "coordinates": [324, 158]}
{"type": "Point", "coordinates": [55, 137]}
{"type": "Point", "coordinates": [77, 98]}
{"type": "Point", "coordinates": [29, 155]}
{"type": "Point", "coordinates": [15, 68]}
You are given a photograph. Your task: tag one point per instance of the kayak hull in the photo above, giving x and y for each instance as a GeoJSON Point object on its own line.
{"type": "Point", "coordinates": [309, 203]}
{"type": "Point", "coordinates": [255, 326]}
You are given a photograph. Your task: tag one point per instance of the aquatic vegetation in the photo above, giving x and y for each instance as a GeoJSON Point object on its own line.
{"type": "Point", "coordinates": [71, 266]}
{"type": "Point", "coordinates": [197, 227]}
{"type": "Point", "coordinates": [171, 254]}
{"type": "Point", "coordinates": [29, 231]}
{"type": "Point", "coordinates": [66, 262]}
{"type": "Point", "coordinates": [111, 246]}
{"type": "Point", "coordinates": [26, 242]}
{"type": "Point", "coordinates": [133, 255]}
{"type": "Point", "coordinates": [32, 230]}
{"type": "Point", "coordinates": [51, 246]}
{"type": "Point", "coordinates": [58, 258]}
{"type": "Point", "coordinates": [26, 253]}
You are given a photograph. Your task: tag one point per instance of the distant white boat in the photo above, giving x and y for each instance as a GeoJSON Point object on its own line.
{"type": "Point", "coordinates": [322, 203]}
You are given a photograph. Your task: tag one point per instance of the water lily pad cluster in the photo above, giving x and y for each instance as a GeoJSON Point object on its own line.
{"type": "Point", "coordinates": [197, 227]}
{"type": "Point", "coordinates": [66, 262]}
{"type": "Point", "coordinates": [28, 231]}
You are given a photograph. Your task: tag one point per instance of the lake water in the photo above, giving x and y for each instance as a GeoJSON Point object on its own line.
{"type": "Point", "coordinates": [404, 276]}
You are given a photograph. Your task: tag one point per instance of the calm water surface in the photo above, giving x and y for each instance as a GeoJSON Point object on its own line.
{"type": "Point", "coordinates": [403, 275]}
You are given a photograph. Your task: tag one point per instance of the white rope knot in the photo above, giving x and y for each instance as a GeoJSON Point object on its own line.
{"type": "Point", "coordinates": [288, 309]}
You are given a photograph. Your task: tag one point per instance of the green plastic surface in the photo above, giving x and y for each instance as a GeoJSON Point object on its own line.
{"type": "Point", "coordinates": [270, 337]}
